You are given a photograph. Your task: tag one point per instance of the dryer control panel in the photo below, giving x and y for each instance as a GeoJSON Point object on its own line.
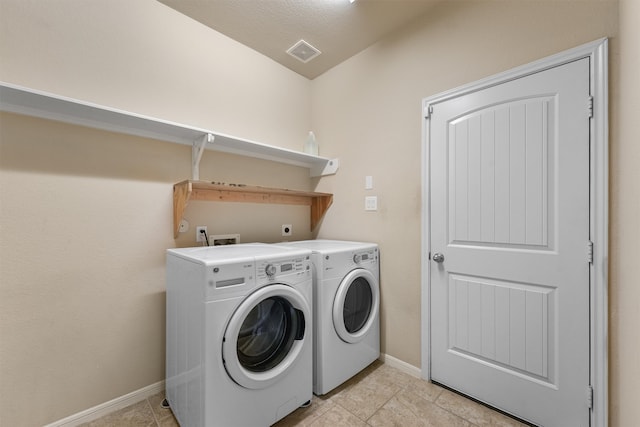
{"type": "Point", "coordinates": [365, 256]}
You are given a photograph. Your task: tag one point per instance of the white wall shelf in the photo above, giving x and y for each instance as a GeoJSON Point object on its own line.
{"type": "Point", "coordinates": [21, 100]}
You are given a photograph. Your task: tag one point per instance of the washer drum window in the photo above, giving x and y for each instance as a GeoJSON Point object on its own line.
{"type": "Point", "coordinates": [265, 336]}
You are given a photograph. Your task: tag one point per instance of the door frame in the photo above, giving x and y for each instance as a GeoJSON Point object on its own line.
{"type": "Point", "coordinates": [597, 52]}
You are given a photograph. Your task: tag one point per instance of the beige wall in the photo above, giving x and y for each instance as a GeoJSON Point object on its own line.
{"type": "Point", "coordinates": [144, 57]}
{"type": "Point", "coordinates": [624, 268]}
{"type": "Point", "coordinates": [368, 110]}
{"type": "Point", "coordinates": [85, 215]}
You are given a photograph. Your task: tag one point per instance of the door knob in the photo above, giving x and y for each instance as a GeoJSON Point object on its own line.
{"type": "Point", "coordinates": [438, 257]}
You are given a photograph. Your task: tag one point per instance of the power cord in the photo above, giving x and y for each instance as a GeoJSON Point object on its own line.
{"type": "Point", "coordinates": [206, 238]}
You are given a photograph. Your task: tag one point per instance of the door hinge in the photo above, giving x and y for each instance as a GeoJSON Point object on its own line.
{"type": "Point", "coordinates": [590, 106]}
{"type": "Point", "coordinates": [590, 397]}
{"type": "Point", "coordinates": [428, 111]}
{"type": "Point", "coordinates": [590, 252]}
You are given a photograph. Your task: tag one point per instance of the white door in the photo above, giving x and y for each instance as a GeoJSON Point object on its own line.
{"type": "Point", "coordinates": [509, 239]}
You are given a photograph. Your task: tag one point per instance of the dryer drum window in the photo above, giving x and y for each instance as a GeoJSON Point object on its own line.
{"type": "Point", "coordinates": [268, 333]}
{"type": "Point", "coordinates": [357, 305]}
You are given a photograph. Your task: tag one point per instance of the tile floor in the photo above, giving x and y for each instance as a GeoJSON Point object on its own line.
{"type": "Point", "coordinates": [378, 396]}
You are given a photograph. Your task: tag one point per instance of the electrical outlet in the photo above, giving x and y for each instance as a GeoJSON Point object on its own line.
{"type": "Point", "coordinates": [200, 236]}
{"type": "Point", "coordinates": [287, 230]}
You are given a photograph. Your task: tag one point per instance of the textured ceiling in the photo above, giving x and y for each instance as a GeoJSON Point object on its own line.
{"type": "Point", "coordinates": [338, 28]}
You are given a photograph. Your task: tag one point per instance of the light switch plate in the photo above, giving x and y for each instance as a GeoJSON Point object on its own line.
{"type": "Point", "coordinates": [371, 203]}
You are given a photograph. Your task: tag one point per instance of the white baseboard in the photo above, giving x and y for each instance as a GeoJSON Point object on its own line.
{"type": "Point", "coordinates": [400, 365]}
{"type": "Point", "coordinates": [136, 396]}
{"type": "Point", "coordinates": [108, 407]}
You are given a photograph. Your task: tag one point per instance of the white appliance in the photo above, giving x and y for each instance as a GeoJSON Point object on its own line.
{"type": "Point", "coordinates": [239, 334]}
{"type": "Point", "coordinates": [346, 309]}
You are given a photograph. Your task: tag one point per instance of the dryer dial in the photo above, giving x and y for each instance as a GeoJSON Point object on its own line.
{"type": "Point", "coordinates": [357, 258]}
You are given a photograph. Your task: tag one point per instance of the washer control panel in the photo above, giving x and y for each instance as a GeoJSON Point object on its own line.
{"type": "Point", "coordinates": [271, 269]}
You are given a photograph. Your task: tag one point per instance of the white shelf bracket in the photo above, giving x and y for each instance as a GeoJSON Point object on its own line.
{"type": "Point", "coordinates": [196, 154]}
{"type": "Point", "coordinates": [329, 168]}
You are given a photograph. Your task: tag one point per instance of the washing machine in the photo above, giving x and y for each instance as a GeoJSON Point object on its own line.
{"type": "Point", "coordinates": [239, 334]}
{"type": "Point", "coordinates": [346, 309]}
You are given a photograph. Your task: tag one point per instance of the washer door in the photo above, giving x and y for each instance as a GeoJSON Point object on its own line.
{"type": "Point", "coordinates": [265, 336]}
{"type": "Point", "coordinates": [355, 308]}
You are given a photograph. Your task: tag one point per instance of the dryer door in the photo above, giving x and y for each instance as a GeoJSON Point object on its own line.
{"type": "Point", "coordinates": [355, 308]}
{"type": "Point", "coordinates": [265, 336]}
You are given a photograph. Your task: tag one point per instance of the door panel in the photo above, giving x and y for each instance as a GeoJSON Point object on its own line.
{"type": "Point", "coordinates": [507, 186]}
{"type": "Point", "coordinates": [509, 203]}
{"type": "Point", "coordinates": [502, 323]}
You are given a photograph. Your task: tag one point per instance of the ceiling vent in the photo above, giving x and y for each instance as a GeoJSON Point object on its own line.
{"type": "Point", "coordinates": [303, 51]}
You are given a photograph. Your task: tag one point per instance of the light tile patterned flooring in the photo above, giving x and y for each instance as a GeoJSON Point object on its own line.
{"type": "Point", "coordinates": [378, 396]}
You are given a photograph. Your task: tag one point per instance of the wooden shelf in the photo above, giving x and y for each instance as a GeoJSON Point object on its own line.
{"type": "Point", "coordinates": [21, 100]}
{"type": "Point", "coordinates": [203, 190]}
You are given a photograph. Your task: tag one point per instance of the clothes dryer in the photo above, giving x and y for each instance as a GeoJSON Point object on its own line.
{"type": "Point", "coordinates": [239, 334]}
{"type": "Point", "coordinates": [346, 309]}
